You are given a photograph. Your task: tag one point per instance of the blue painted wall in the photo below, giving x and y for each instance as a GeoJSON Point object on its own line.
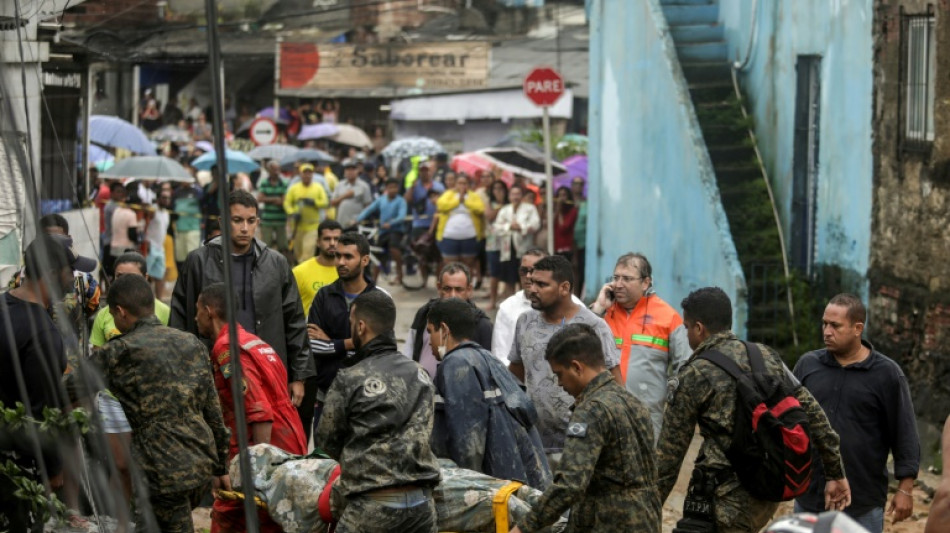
{"type": "Point", "coordinates": [653, 188]}
{"type": "Point", "coordinates": [840, 31]}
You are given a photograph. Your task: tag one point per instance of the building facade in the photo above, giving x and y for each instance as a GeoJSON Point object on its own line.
{"type": "Point", "coordinates": [849, 104]}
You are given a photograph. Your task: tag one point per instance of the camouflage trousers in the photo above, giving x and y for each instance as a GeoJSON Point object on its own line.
{"type": "Point", "coordinates": [737, 511]}
{"type": "Point", "coordinates": [170, 513]}
{"type": "Point", "coordinates": [364, 515]}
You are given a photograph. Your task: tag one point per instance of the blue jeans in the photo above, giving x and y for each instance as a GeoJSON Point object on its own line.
{"type": "Point", "coordinates": [873, 520]}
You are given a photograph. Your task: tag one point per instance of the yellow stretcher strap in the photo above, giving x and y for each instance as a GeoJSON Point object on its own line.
{"type": "Point", "coordinates": [233, 495]}
{"type": "Point", "coordinates": [499, 506]}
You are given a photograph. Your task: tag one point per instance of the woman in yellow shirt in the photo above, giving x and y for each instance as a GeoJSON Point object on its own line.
{"type": "Point", "coordinates": [460, 223]}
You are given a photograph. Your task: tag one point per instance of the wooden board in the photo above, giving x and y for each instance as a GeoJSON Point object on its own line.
{"type": "Point", "coordinates": [442, 66]}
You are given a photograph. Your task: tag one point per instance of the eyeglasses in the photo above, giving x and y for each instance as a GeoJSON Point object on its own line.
{"type": "Point", "coordinates": [625, 279]}
{"type": "Point", "coordinates": [525, 271]}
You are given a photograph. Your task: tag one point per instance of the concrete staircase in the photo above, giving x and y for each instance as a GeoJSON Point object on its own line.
{"type": "Point", "coordinates": [701, 48]}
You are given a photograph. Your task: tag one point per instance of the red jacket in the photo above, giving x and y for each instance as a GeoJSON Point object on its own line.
{"type": "Point", "coordinates": [266, 398]}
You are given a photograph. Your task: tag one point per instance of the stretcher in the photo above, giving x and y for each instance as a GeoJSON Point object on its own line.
{"type": "Point", "coordinates": [295, 492]}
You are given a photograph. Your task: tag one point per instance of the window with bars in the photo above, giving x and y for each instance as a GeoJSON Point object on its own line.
{"type": "Point", "coordinates": [918, 77]}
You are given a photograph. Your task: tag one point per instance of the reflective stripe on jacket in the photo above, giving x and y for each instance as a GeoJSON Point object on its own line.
{"type": "Point", "coordinates": [653, 345]}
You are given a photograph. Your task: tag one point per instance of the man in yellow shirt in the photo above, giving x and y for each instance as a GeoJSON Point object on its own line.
{"type": "Point", "coordinates": [319, 270]}
{"type": "Point", "coordinates": [303, 203]}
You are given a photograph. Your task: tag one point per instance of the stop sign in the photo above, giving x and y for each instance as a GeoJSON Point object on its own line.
{"type": "Point", "coordinates": [544, 86]}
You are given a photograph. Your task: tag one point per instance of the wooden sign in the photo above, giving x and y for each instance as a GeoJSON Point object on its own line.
{"type": "Point", "coordinates": [442, 66]}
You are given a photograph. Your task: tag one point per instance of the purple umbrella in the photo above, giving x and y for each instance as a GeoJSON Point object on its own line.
{"type": "Point", "coordinates": [576, 168]}
{"type": "Point", "coordinates": [318, 131]}
{"type": "Point", "coordinates": [269, 113]}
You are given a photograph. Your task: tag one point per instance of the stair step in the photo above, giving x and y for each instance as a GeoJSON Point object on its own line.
{"type": "Point", "coordinates": [686, 14]}
{"type": "Point", "coordinates": [697, 33]}
{"type": "Point", "coordinates": [687, 2]}
{"type": "Point", "coordinates": [726, 176]}
{"type": "Point", "coordinates": [725, 137]}
{"type": "Point", "coordinates": [727, 154]}
{"type": "Point", "coordinates": [707, 71]}
{"type": "Point", "coordinates": [708, 51]}
{"type": "Point", "coordinates": [711, 92]}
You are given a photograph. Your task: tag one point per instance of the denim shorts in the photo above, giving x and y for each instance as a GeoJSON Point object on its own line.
{"type": "Point", "coordinates": [459, 247]}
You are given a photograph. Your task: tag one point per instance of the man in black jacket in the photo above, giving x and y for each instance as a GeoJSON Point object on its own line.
{"type": "Point", "coordinates": [328, 323]}
{"type": "Point", "coordinates": [377, 423]}
{"type": "Point", "coordinates": [267, 302]}
{"type": "Point", "coordinates": [455, 281]}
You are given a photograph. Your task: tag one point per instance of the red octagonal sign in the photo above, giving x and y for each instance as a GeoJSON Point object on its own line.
{"type": "Point", "coordinates": [544, 86]}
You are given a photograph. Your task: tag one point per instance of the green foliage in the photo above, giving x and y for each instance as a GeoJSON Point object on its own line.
{"type": "Point", "coordinates": [563, 147]}
{"type": "Point", "coordinates": [54, 423]}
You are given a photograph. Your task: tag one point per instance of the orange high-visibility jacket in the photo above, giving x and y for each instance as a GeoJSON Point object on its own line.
{"type": "Point", "coordinates": [653, 345]}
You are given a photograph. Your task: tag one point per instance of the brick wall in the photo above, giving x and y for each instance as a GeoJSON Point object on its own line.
{"type": "Point", "coordinates": [910, 247]}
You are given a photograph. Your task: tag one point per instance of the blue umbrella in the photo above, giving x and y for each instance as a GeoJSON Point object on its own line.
{"type": "Point", "coordinates": [97, 154]}
{"type": "Point", "coordinates": [237, 162]}
{"type": "Point", "coordinates": [113, 131]}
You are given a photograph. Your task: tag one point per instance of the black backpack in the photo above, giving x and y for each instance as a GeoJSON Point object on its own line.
{"type": "Point", "coordinates": [771, 449]}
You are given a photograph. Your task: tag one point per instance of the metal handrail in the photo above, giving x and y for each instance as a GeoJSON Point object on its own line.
{"type": "Point", "coordinates": [768, 187]}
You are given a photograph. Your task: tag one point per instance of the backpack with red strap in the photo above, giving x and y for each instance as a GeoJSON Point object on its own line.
{"type": "Point", "coordinates": [771, 450]}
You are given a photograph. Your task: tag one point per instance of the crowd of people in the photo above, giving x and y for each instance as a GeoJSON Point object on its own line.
{"type": "Point", "coordinates": [594, 405]}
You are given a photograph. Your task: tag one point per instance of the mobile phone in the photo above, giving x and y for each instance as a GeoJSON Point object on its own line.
{"type": "Point", "coordinates": [610, 294]}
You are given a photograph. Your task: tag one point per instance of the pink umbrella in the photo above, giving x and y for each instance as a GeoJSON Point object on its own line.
{"type": "Point", "coordinates": [472, 162]}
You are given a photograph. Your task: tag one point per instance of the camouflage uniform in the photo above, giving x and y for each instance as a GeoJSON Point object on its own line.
{"type": "Point", "coordinates": [707, 395]}
{"type": "Point", "coordinates": [607, 475]}
{"type": "Point", "coordinates": [162, 378]}
{"type": "Point", "coordinates": [377, 422]}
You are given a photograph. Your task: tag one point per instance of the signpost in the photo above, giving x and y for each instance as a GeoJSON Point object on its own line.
{"type": "Point", "coordinates": [544, 86]}
{"type": "Point", "coordinates": [263, 131]}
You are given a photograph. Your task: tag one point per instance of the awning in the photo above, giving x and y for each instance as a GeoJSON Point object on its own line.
{"type": "Point", "coordinates": [482, 105]}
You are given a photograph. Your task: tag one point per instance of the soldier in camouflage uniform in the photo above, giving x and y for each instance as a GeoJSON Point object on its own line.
{"type": "Point", "coordinates": [377, 422]}
{"type": "Point", "coordinates": [607, 476]}
{"type": "Point", "coordinates": [162, 378]}
{"type": "Point", "coordinates": [706, 395]}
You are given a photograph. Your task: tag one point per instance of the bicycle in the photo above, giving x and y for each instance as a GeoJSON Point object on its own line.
{"type": "Point", "coordinates": [419, 262]}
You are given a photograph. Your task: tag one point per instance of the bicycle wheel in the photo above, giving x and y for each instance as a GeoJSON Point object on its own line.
{"type": "Point", "coordinates": [412, 277]}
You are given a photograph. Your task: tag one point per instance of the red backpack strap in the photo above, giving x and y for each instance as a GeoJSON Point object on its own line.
{"type": "Point", "coordinates": [323, 502]}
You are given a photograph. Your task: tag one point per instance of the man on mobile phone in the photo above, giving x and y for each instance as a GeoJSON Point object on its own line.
{"type": "Point", "coordinates": [648, 331]}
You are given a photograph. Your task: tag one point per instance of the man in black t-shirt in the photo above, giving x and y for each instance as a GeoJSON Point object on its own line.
{"type": "Point", "coordinates": [31, 350]}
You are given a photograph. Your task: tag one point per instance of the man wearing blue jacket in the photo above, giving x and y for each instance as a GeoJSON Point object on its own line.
{"type": "Point", "coordinates": [391, 210]}
{"type": "Point", "coordinates": [483, 420]}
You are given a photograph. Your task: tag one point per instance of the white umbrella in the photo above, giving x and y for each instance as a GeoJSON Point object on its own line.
{"type": "Point", "coordinates": [352, 136]}
{"type": "Point", "coordinates": [148, 167]}
{"type": "Point", "coordinates": [412, 146]}
{"type": "Point", "coordinates": [273, 151]}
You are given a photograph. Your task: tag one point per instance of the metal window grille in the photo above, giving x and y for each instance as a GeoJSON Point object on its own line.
{"type": "Point", "coordinates": [918, 73]}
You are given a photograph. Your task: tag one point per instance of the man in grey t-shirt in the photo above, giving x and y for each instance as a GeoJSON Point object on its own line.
{"type": "Point", "coordinates": [552, 308]}
{"type": "Point", "coordinates": [351, 196]}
